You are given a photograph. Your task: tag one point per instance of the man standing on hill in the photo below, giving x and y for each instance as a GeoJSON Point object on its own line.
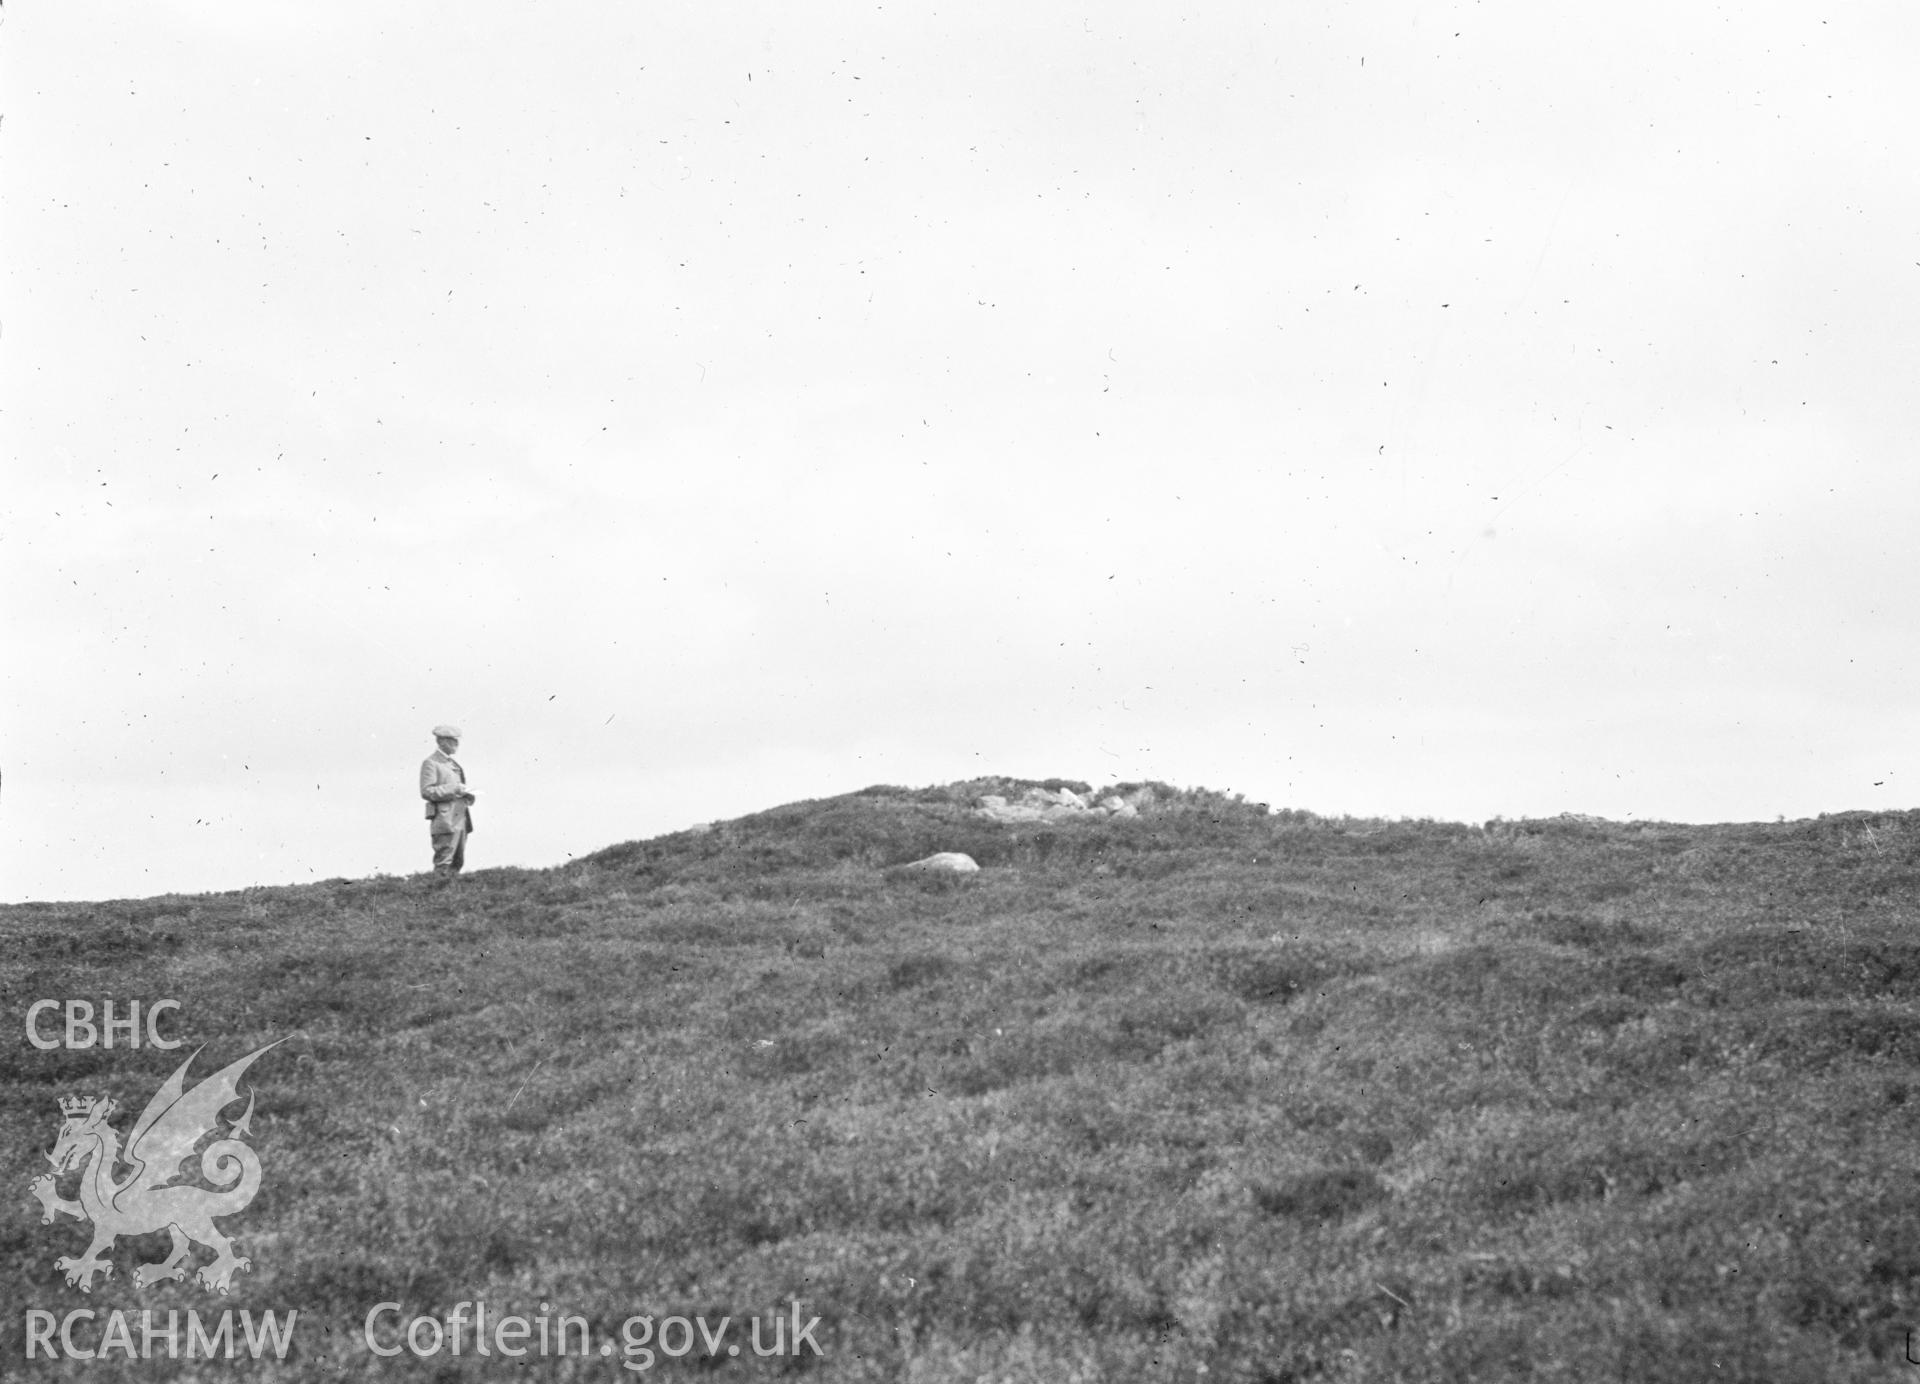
{"type": "Point", "coordinates": [443, 783]}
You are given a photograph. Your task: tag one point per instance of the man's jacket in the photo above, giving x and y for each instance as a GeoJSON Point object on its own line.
{"type": "Point", "coordinates": [443, 783]}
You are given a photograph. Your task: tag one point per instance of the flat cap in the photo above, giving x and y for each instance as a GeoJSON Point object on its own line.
{"type": "Point", "coordinates": [446, 732]}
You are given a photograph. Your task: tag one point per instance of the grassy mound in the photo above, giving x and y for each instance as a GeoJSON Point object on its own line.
{"type": "Point", "coordinates": [1282, 1096]}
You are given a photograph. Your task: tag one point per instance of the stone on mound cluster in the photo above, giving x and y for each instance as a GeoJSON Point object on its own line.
{"type": "Point", "coordinates": [1046, 805]}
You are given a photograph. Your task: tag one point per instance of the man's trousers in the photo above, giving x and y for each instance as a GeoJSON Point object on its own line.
{"type": "Point", "coordinates": [449, 847]}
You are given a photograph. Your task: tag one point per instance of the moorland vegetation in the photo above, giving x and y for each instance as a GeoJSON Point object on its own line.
{"type": "Point", "coordinates": [1214, 1093]}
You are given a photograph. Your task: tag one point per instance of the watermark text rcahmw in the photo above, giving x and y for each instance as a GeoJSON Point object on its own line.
{"type": "Point", "coordinates": [52, 1337]}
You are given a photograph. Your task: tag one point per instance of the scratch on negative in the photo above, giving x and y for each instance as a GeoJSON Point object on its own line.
{"type": "Point", "coordinates": [523, 1085]}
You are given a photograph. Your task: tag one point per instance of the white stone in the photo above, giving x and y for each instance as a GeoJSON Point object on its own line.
{"type": "Point", "coordinates": [951, 862]}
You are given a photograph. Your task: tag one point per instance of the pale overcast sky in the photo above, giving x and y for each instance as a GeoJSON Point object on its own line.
{"type": "Point", "coordinates": [1389, 408]}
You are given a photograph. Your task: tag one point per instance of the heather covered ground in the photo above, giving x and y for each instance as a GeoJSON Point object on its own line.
{"type": "Point", "coordinates": [1214, 1093]}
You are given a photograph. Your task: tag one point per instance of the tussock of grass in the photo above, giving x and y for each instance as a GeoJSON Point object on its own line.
{"type": "Point", "coordinates": [1284, 1096]}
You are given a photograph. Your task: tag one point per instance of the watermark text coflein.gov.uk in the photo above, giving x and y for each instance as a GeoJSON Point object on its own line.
{"type": "Point", "coordinates": [468, 1329]}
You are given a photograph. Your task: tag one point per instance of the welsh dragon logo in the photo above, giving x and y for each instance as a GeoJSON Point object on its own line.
{"type": "Point", "coordinates": [146, 1200]}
